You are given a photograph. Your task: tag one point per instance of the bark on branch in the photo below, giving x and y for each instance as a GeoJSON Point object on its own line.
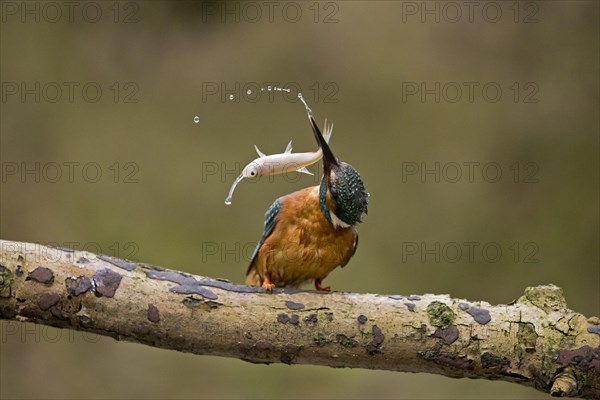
{"type": "Point", "coordinates": [535, 341]}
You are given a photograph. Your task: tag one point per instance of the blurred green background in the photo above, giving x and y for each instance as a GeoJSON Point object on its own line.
{"type": "Point", "coordinates": [396, 80]}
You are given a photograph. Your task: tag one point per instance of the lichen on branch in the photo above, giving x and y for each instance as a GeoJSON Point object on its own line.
{"type": "Point", "coordinates": [535, 341]}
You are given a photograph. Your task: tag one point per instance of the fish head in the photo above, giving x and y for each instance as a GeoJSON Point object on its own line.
{"type": "Point", "coordinates": [252, 170]}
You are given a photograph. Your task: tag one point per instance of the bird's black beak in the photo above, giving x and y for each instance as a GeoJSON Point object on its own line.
{"type": "Point", "coordinates": [329, 159]}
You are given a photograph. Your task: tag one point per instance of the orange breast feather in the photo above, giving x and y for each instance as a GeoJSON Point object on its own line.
{"type": "Point", "coordinates": [304, 246]}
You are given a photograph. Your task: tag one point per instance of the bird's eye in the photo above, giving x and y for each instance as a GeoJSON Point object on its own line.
{"type": "Point", "coordinates": [252, 173]}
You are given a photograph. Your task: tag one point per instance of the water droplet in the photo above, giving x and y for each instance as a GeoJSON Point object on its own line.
{"type": "Point", "coordinates": [196, 119]}
{"type": "Point", "coordinates": [248, 91]}
{"type": "Point", "coordinates": [308, 110]}
{"type": "Point", "coordinates": [230, 97]}
{"type": "Point", "coordinates": [230, 195]}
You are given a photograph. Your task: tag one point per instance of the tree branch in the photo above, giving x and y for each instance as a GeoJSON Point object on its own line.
{"type": "Point", "coordinates": [535, 341]}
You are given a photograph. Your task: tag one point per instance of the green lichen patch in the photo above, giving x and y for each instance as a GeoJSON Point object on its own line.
{"type": "Point", "coordinates": [526, 340]}
{"type": "Point", "coordinates": [548, 297]}
{"type": "Point", "coordinates": [440, 315]}
{"type": "Point", "coordinates": [6, 278]}
{"type": "Point", "coordinates": [321, 340]}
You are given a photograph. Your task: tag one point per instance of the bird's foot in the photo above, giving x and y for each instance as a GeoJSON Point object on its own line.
{"type": "Point", "coordinates": [267, 285]}
{"type": "Point", "coordinates": [319, 287]}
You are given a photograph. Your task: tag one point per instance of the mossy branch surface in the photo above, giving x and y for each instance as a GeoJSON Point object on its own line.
{"type": "Point", "coordinates": [535, 341]}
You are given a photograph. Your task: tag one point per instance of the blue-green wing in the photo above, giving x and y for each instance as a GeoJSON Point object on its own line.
{"type": "Point", "coordinates": [270, 222]}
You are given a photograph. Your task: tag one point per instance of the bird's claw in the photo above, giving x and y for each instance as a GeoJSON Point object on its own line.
{"type": "Point", "coordinates": [319, 287]}
{"type": "Point", "coordinates": [268, 286]}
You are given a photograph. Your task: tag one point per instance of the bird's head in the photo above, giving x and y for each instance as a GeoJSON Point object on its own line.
{"type": "Point", "coordinates": [343, 182]}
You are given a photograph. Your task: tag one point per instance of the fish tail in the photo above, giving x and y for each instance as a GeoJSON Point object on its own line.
{"type": "Point", "coordinates": [327, 129]}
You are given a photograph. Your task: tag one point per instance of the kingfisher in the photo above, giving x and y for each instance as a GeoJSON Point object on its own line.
{"type": "Point", "coordinates": [309, 233]}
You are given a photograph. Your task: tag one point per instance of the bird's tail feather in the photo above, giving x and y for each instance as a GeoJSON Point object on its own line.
{"type": "Point", "coordinates": [252, 278]}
